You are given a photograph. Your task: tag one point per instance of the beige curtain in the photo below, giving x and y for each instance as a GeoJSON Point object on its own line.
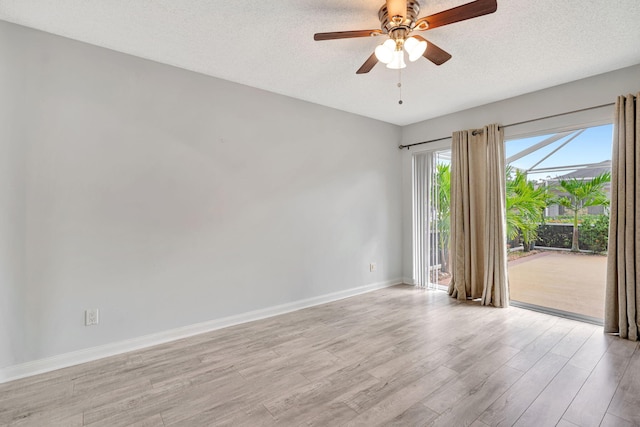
{"type": "Point", "coordinates": [478, 224]}
{"type": "Point", "coordinates": [622, 299]}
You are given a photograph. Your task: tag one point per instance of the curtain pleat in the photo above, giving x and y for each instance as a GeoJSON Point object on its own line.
{"type": "Point", "coordinates": [495, 283]}
{"type": "Point", "coordinates": [622, 298]}
{"type": "Point", "coordinates": [478, 224]}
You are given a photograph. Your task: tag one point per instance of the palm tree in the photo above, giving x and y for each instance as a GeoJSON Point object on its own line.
{"type": "Point", "coordinates": [525, 206]}
{"type": "Point", "coordinates": [442, 195]}
{"type": "Point", "coordinates": [581, 194]}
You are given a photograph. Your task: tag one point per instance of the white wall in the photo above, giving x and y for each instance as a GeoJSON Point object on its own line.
{"type": "Point", "coordinates": [167, 198]}
{"type": "Point", "coordinates": [593, 91]}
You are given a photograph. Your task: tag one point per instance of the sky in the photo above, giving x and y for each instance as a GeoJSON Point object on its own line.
{"type": "Point", "coordinates": [592, 146]}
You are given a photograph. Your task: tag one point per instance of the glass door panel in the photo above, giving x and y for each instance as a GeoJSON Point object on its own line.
{"type": "Point", "coordinates": [557, 220]}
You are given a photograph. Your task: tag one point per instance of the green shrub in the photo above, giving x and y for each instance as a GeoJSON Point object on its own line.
{"type": "Point", "coordinates": [594, 233]}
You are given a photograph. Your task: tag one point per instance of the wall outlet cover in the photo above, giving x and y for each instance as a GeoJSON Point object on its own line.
{"type": "Point", "coordinates": [91, 317]}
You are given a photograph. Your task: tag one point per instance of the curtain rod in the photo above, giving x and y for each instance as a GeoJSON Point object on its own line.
{"type": "Point", "coordinates": [514, 124]}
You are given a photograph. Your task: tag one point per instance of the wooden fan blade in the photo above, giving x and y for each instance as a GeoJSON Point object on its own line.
{"type": "Point", "coordinates": [346, 34]}
{"type": "Point", "coordinates": [457, 14]}
{"type": "Point", "coordinates": [397, 8]}
{"type": "Point", "coordinates": [368, 64]}
{"type": "Point", "coordinates": [433, 52]}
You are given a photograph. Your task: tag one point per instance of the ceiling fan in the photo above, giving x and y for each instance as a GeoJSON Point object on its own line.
{"type": "Point", "coordinates": [398, 19]}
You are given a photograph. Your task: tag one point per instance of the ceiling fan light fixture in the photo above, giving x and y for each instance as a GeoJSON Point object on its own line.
{"type": "Point", "coordinates": [398, 60]}
{"type": "Point", "coordinates": [385, 51]}
{"type": "Point", "coordinates": [398, 19]}
{"type": "Point", "coordinates": [415, 48]}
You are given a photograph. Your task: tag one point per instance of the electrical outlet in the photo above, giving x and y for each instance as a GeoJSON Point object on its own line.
{"type": "Point", "coordinates": [372, 267]}
{"type": "Point", "coordinates": [91, 317]}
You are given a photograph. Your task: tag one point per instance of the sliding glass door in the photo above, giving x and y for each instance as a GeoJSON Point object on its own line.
{"type": "Point", "coordinates": [431, 206]}
{"type": "Point", "coordinates": [557, 192]}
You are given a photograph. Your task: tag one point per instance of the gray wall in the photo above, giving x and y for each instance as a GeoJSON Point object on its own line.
{"type": "Point", "coordinates": [12, 201]}
{"type": "Point", "coordinates": [590, 92]}
{"type": "Point", "coordinates": [167, 198]}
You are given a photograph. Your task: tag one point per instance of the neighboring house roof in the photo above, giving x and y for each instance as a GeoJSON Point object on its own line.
{"type": "Point", "coordinates": [589, 171]}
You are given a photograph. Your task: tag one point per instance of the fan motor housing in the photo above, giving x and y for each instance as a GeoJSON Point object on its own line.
{"type": "Point", "coordinates": [388, 23]}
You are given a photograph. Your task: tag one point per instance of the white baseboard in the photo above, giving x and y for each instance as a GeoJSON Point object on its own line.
{"type": "Point", "coordinates": [53, 363]}
{"type": "Point", "coordinates": [408, 281]}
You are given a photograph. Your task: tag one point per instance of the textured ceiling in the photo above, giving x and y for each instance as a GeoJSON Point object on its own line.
{"type": "Point", "coordinates": [525, 46]}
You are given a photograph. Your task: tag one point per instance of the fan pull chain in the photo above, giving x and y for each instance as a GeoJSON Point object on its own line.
{"type": "Point", "coordinates": [400, 84]}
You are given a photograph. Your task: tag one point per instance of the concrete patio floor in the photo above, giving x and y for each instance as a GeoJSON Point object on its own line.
{"type": "Point", "coordinates": [560, 280]}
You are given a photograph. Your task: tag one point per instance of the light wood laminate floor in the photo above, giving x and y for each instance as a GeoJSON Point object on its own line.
{"type": "Point", "coordinates": [398, 356]}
